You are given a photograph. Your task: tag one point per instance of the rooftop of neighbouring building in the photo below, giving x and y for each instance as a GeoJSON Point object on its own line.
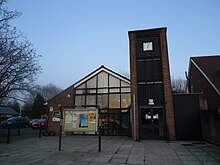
{"type": "Point", "coordinates": [209, 66]}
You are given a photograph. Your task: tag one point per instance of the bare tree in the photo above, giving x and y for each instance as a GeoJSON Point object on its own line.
{"type": "Point", "coordinates": [19, 65]}
{"type": "Point", "coordinates": [15, 105]}
{"type": "Point", "coordinates": [48, 91]}
{"type": "Point", "coordinates": [179, 85]}
{"type": "Point", "coordinates": [125, 74]}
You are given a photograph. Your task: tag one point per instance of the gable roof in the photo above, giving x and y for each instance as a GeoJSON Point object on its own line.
{"type": "Point", "coordinates": [100, 69]}
{"type": "Point", "coordinates": [7, 111]}
{"type": "Point", "coordinates": [209, 67]}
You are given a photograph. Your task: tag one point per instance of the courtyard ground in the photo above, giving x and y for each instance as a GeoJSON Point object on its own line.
{"type": "Point", "coordinates": [83, 150]}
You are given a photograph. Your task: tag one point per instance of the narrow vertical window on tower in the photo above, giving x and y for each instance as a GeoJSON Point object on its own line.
{"type": "Point", "coordinates": [147, 46]}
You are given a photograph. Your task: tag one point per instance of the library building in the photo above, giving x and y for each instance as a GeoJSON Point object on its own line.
{"type": "Point", "coordinates": [140, 107]}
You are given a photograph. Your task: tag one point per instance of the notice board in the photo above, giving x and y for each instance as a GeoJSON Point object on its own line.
{"type": "Point", "coordinates": [77, 120]}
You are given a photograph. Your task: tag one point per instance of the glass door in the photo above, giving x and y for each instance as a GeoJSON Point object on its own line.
{"type": "Point", "coordinates": [152, 123]}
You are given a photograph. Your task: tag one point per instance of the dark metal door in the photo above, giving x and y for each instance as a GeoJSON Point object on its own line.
{"type": "Point", "coordinates": [187, 117]}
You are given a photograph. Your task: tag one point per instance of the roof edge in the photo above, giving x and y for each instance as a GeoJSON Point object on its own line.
{"type": "Point", "coordinates": [98, 70]}
{"type": "Point", "coordinates": [101, 68]}
{"type": "Point", "coordinates": [58, 94]}
{"type": "Point", "coordinates": [206, 56]}
{"type": "Point", "coordinates": [206, 77]}
{"type": "Point", "coordinates": [152, 29]}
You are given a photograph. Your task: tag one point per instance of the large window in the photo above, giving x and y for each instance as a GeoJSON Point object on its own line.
{"type": "Point", "coordinates": [113, 97]}
{"type": "Point", "coordinates": [102, 80]}
{"type": "Point", "coordinates": [114, 100]}
{"type": "Point", "coordinates": [80, 100]}
{"type": "Point", "coordinates": [102, 101]}
{"type": "Point", "coordinates": [104, 90]}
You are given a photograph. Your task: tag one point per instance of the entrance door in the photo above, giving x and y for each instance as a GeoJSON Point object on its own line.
{"type": "Point", "coordinates": [116, 122]}
{"type": "Point", "coordinates": [152, 123]}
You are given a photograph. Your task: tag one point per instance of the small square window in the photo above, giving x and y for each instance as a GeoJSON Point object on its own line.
{"type": "Point", "coordinates": [147, 46]}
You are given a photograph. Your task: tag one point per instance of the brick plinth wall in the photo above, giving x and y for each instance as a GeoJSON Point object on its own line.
{"type": "Point", "coordinates": [167, 86]}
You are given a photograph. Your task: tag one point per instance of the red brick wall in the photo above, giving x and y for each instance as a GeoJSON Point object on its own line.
{"type": "Point", "coordinates": [60, 99]}
{"type": "Point", "coordinates": [210, 121]}
{"type": "Point", "coordinates": [167, 86]}
{"type": "Point", "coordinates": [133, 73]}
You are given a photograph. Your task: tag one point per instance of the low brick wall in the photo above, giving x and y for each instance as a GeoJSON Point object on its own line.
{"type": "Point", "coordinates": [210, 121]}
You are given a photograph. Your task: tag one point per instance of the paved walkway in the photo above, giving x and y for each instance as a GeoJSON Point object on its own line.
{"type": "Point", "coordinates": [83, 150]}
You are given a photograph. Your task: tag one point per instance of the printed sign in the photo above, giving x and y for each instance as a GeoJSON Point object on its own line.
{"type": "Point", "coordinates": [51, 109]}
{"type": "Point", "coordinates": [83, 120]}
{"type": "Point", "coordinates": [92, 118]}
{"type": "Point", "coordinates": [56, 116]}
{"type": "Point", "coordinates": [68, 116]}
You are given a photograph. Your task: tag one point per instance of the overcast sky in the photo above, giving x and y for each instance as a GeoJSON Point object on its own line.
{"type": "Point", "coordinates": [76, 37]}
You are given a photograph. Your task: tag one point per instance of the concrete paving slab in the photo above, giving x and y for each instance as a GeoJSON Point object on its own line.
{"type": "Point", "coordinates": [169, 157]}
{"type": "Point", "coordinates": [211, 162]}
{"type": "Point", "coordinates": [83, 150]}
{"type": "Point", "coordinates": [192, 162]}
{"type": "Point", "coordinates": [172, 162]}
{"type": "Point", "coordinates": [184, 153]}
{"type": "Point", "coordinates": [206, 157]}
{"type": "Point", "coordinates": [188, 157]}
{"type": "Point", "coordinates": [155, 162]}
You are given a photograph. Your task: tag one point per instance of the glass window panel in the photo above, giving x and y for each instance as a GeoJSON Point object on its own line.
{"type": "Point", "coordinates": [102, 101]}
{"type": "Point", "coordinates": [124, 84]}
{"type": "Point", "coordinates": [104, 111]}
{"type": "Point", "coordinates": [142, 95]}
{"type": "Point", "coordinates": [148, 71]}
{"type": "Point", "coordinates": [80, 100]}
{"type": "Point", "coordinates": [91, 91]}
{"type": "Point", "coordinates": [91, 83]}
{"type": "Point", "coordinates": [114, 82]}
{"type": "Point", "coordinates": [81, 86]}
{"type": "Point", "coordinates": [157, 67]}
{"type": "Point", "coordinates": [114, 90]}
{"type": "Point", "coordinates": [125, 90]}
{"type": "Point", "coordinates": [105, 90]}
{"type": "Point", "coordinates": [125, 100]}
{"type": "Point", "coordinates": [91, 100]}
{"type": "Point", "coordinates": [78, 91]}
{"type": "Point", "coordinates": [102, 80]}
{"type": "Point", "coordinates": [141, 71]}
{"type": "Point", "coordinates": [114, 100]}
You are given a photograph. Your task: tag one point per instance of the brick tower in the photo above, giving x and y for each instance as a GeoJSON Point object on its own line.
{"type": "Point", "coordinates": [151, 96]}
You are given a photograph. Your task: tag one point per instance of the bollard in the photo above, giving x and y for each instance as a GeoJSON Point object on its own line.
{"type": "Point", "coordinates": [19, 130]}
{"type": "Point", "coordinates": [39, 136]}
{"type": "Point", "coordinates": [8, 136]}
{"type": "Point", "coordinates": [99, 129]}
{"type": "Point", "coordinates": [100, 138]}
{"type": "Point", "coordinates": [60, 137]}
{"type": "Point", "coordinates": [61, 127]}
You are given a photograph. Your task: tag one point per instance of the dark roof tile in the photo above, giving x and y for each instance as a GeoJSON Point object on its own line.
{"type": "Point", "coordinates": [210, 65]}
{"type": "Point", "coordinates": [7, 111]}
